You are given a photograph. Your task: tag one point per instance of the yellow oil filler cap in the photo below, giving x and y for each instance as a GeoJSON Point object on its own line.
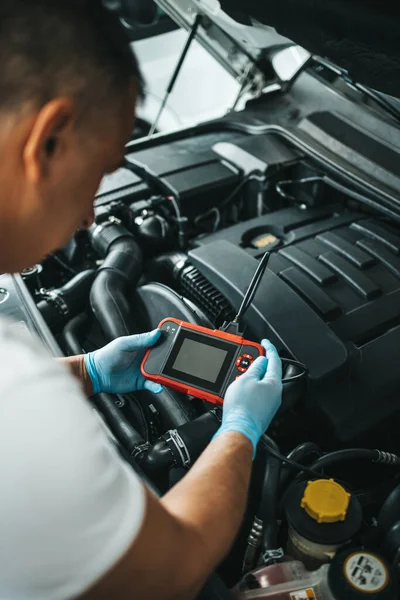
{"type": "Point", "coordinates": [325, 501]}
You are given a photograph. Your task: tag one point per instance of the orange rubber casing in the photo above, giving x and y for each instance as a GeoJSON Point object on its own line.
{"type": "Point", "coordinates": [186, 387]}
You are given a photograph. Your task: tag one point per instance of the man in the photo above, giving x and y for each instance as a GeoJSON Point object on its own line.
{"type": "Point", "coordinates": [75, 521]}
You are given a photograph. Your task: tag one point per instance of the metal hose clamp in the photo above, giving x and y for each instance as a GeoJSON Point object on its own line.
{"type": "Point", "coordinates": [56, 298]}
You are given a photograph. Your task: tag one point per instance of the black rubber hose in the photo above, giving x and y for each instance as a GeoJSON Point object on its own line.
{"type": "Point", "coordinates": [173, 407]}
{"type": "Point", "coordinates": [376, 495]}
{"type": "Point", "coordinates": [125, 434]}
{"type": "Point", "coordinates": [197, 434]}
{"type": "Point", "coordinates": [303, 450]}
{"type": "Point", "coordinates": [110, 305]}
{"type": "Point", "coordinates": [376, 456]}
{"type": "Point", "coordinates": [119, 273]}
{"type": "Point", "coordinates": [298, 454]}
{"type": "Point", "coordinates": [390, 512]}
{"type": "Point", "coordinates": [67, 301]}
{"type": "Point", "coordinates": [182, 446]}
{"type": "Point", "coordinates": [106, 404]}
{"type": "Point", "coordinates": [156, 458]}
{"type": "Point", "coordinates": [73, 334]}
{"type": "Point", "coordinates": [166, 268]}
{"type": "Point", "coordinates": [268, 509]}
{"type": "Point", "coordinates": [294, 389]}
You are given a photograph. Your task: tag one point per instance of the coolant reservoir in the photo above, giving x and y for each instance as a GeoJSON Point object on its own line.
{"type": "Point", "coordinates": [322, 516]}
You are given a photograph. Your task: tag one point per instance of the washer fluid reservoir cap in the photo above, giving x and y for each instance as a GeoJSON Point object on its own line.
{"type": "Point", "coordinates": [325, 501]}
{"type": "Point", "coordinates": [357, 574]}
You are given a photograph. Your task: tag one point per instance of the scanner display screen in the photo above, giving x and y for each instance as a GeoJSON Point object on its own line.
{"type": "Point", "coordinates": [200, 360]}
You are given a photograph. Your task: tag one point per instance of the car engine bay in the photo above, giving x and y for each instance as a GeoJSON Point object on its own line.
{"type": "Point", "coordinates": [179, 232]}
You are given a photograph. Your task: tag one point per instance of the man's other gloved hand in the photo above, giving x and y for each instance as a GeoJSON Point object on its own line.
{"type": "Point", "coordinates": [116, 367]}
{"type": "Point", "coordinates": [252, 401]}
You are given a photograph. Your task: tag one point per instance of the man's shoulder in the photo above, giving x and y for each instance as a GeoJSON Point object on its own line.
{"type": "Point", "coordinates": [69, 505]}
{"type": "Point", "coordinates": [16, 342]}
{"type": "Point", "coordinates": [33, 385]}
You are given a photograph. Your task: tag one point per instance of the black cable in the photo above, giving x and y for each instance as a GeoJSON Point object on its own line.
{"type": "Point", "coordinates": [211, 212]}
{"type": "Point", "coordinates": [376, 456]}
{"type": "Point", "coordinates": [290, 463]}
{"type": "Point", "coordinates": [344, 189]}
{"type": "Point", "coordinates": [281, 184]}
{"type": "Point", "coordinates": [251, 290]}
{"type": "Point", "coordinates": [225, 203]}
{"type": "Point", "coordinates": [298, 454]}
{"type": "Point", "coordinates": [303, 450]}
{"type": "Point", "coordinates": [361, 198]}
{"type": "Point", "coordinates": [234, 193]}
{"type": "Point", "coordinates": [233, 326]}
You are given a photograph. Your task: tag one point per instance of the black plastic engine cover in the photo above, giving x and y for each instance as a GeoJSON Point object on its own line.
{"type": "Point", "coordinates": [331, 298]}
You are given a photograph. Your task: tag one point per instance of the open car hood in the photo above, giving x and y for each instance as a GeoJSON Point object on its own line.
{"type": "Point", "coordinates": [360, 36]}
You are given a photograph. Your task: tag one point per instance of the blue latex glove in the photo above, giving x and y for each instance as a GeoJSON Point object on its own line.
{"type": "Point", "coordinates": [252, 401]}
{"type": "Point", "coordinates": [116, 367]}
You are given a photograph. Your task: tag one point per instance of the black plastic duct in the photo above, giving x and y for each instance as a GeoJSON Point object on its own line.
{"type": "Point", "coordinates": [60, 305]}
{"type": "Point", "coordinates": [120, 272]}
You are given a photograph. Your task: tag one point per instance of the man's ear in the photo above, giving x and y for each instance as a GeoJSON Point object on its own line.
{"type": "Point", "coordinates": [48, 137]}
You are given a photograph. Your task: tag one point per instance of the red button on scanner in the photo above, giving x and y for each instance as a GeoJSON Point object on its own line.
{"type": "Point", "coordinates": [239, 360]}
{"type": "Point", "coordinates": [244, 362]}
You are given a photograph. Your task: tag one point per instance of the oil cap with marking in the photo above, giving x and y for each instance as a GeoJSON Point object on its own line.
{"type": "Point", "coordinates": [359, 574]}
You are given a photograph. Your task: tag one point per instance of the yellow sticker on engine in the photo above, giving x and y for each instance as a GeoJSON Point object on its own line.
{"type": "Point", "coordinates": [303, 595]}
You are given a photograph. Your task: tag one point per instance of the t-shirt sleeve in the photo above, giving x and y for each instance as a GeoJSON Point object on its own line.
{"type": "Point", "coordinates": [69, 506]}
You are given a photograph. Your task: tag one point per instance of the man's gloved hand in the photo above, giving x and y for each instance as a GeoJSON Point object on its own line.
{"type": "Point", "coordinates": [252, 401]}
{"type": "Point", "coordinates": [116, 367]}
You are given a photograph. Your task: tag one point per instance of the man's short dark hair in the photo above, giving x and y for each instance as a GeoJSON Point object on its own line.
{"type": "Point", "coordinates": [70, 47]}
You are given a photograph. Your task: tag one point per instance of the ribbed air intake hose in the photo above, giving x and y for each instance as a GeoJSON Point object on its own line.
{"type": "Point", "coordinates": [120, 271]}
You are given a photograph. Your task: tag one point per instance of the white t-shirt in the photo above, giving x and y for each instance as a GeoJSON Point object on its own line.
{"type": "Point", "coordinates": [69, 506]}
